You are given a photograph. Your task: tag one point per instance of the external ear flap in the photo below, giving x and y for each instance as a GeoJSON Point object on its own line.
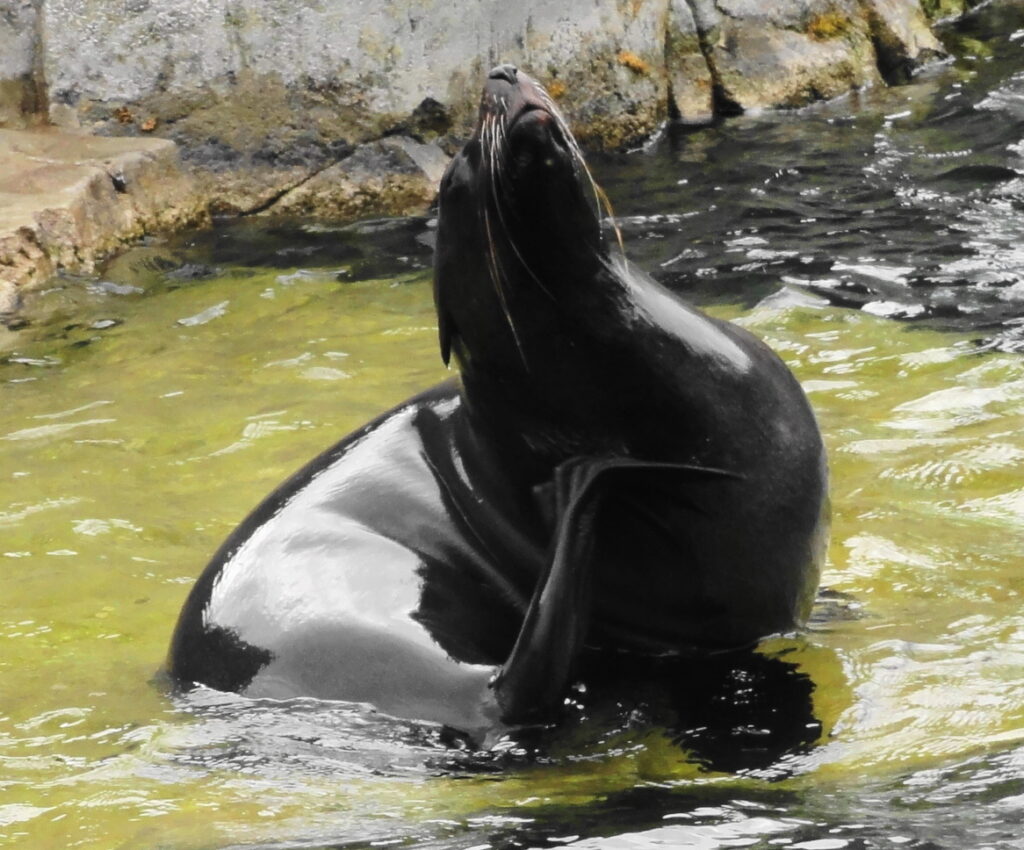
{"type": "Point", "coordinates": [445, 331]}
{"type": "Point", "coordinates": [444, 319]}
{"type": "Point", "coordinates": [445, 292]}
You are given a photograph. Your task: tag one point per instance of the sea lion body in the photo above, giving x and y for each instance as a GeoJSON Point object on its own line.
{"type": "Point", "coordinates": [612, 470]}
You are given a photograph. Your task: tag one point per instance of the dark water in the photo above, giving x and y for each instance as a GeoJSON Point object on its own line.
{"type": "Point", "coordinates": [877, 242]}
{"type": "Point", "coordinates": [905, 202]}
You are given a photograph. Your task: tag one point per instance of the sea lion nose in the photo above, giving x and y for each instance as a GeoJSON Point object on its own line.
{"type": "Point", "coordinates": [504, 72]}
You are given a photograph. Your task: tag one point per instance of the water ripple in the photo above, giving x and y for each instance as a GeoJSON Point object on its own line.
{"type": "Point", "coordinates": [43, 432]}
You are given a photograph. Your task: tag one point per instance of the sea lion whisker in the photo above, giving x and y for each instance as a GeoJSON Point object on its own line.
{"type": "Point", "coordinates": [522, 261]}
{"type": "Point", "coordinates": [493, 150]}
{"type": "Point", "coordinates": [494, 173]}
{"type": "Point", "coordinates": [519, 256]}
{"type": "Point", "coordinates": [601, 200]}
{"type": "Point", "coordinates": [496, 176]}
{"type": "Point", "coordinates": [492, 264]}
{"type": "Point", "coordinates": [495, 274]}
{"type": "Point", "coordinates": [486, 131]}
{"type": "Point", "coordinates": [497, 172]}
{"type": "Point", "coordinates": [611, 213]}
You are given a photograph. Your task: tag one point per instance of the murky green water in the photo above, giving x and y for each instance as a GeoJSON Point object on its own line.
{"type": "Point", "coordinates": [144, 412]}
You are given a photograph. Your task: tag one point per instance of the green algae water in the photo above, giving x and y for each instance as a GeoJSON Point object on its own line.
{"type": "Point", "coordinates": [146, 410]}
{"type": "Point", "coordinates": [129, 451]}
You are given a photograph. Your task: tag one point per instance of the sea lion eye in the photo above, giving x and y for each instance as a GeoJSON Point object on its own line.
{"type": "Point", "coordinates": [536, 152]}
{"type": "Point", "coordinates": [524, 159]}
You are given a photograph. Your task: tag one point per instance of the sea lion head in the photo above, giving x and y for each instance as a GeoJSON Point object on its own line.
{"type": "Point", "coordinates": [518, 229]}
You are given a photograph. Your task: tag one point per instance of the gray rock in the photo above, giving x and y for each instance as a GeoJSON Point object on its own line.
{"type": "Point", "coordinates": [689, 77]}
{"type": "Point", "coordinates": [67, 201]}
{"type": "Point", "coordinates": [393, 176]}
{"type": "Point", "coordinates": [788, 53]}
{"type": "Point", "coordinates": [266, 97]}
{"type": "Point", "coordinates": [238, 75]}
{"type": "Point", "coordinates": [705, 15]}
{"type": "Point", "coordinates": [21, 94]}
{"type": "Point", "coordinates": [902, 38]}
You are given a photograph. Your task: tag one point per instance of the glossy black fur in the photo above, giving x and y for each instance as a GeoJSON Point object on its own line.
{"type": "Point", "coordinates": [613, 470]}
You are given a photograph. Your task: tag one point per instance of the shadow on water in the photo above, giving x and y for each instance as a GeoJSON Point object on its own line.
{"type": "Point", "coordinates": [364, 250]}
{"type": "Point", "coordinates": [729, 713]}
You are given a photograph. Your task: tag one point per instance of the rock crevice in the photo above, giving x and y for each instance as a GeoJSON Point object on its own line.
{"type": "Point", "coordinates": [763, 55]}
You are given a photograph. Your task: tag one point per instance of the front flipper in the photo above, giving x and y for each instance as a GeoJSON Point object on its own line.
{"type": "Point", "coordinates": [531, 684]}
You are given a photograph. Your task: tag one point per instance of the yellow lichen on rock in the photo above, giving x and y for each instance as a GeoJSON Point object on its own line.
{"type": "Point", "coordinates": [556, 89]}
{"type": "Point", "coordinates": [633, 62]}
{"type": "Point", "coordinates": [828, 25]}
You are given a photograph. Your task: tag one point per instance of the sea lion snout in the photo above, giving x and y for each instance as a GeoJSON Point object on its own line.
{"type": "Point", "coordinates": [505, 86]}
{"type": "Point", "coordinates": [508, 92]}
{"type": "Point", "coordinates": [508, 73]}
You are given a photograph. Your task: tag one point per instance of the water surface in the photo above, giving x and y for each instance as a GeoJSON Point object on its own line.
{"type": "Point", "coordinates": [875, 242]}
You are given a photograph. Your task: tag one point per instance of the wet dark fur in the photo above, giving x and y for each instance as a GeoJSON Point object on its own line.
{"type": "Point", "coordinates": [614, 470]}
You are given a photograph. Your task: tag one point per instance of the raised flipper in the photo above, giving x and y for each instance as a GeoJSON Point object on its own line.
{"type": "Point", "coordinates": [531, 684]}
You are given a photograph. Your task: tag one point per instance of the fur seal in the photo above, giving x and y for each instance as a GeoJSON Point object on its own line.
{"type": "Point", "coordinates": [613, 470]}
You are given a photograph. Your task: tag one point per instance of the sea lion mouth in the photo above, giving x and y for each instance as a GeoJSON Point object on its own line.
{"type": "Point", "coordinates": [511, 96]}
{"type": "Point", "coordinates": [531, 111]}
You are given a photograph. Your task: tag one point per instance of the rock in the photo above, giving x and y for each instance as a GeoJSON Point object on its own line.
{"type": "Point", "coordinates": [604, 64]}
{"type": "Point", "coordinates": [21, 93]}
{"type": "Point", "coordinates": [68, 200]}
{"type": "Point", "coordinates": [248, 189]}
{"type": "Point", "coordinates": [944, 10]}
{"type": "Point", "coordinates": [268, 86]}
{"type": "Point", "coordinates": [394, 176]}
{"type": "Point", "coordinates": [272, 77]}
{"type": "Point", "coordinates": [785, 53]}
{"type": "Point", "coordinates": [10, 301]}
{"type": "Point", "coordinates": [789, 52]}
{"type": "Point", "coordinates": [690, 82]}
{"type": "Point", "coordinates": [902, 38]}
{"type": "Point", "coordinates": [269, 99]}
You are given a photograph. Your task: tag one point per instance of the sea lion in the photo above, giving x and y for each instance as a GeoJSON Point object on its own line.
{"type": "Point", "coordinates": [614, 470]}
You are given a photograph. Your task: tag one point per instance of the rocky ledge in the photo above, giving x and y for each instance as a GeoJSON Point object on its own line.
{"type": "Point", "coordinates": [66, 201]}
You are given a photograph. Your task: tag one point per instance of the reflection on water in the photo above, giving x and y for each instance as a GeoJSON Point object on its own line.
{"type": "Point", "coordinates": [145, 411]}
